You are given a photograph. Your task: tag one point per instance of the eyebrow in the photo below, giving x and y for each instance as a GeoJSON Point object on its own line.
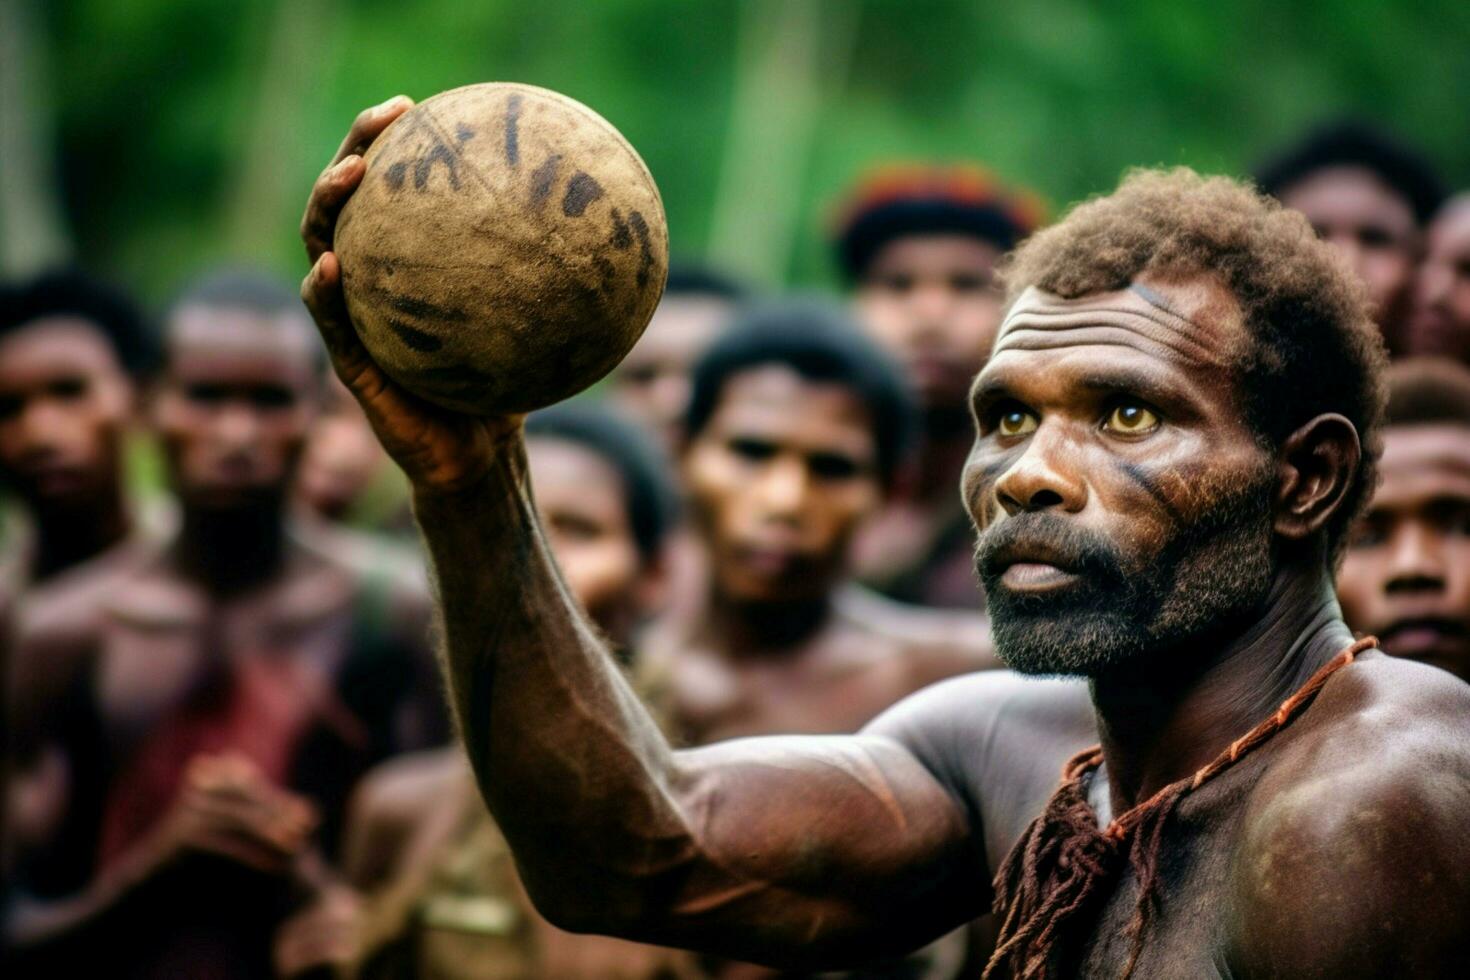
{"type": "Point", "coordinates": [1122, 382]}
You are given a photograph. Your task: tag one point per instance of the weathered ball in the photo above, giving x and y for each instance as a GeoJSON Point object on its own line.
{"type": "Point", "coordinates": [505, 249]}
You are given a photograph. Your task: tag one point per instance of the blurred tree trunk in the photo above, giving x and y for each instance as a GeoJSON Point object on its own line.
{"type": "Point", "coordinates": [33, 230]}
{"type": "Point", "coordinates": [791, 54]}
{"type": "Point", "coordinates": [298, 55]}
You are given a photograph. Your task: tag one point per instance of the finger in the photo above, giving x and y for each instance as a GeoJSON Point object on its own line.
{"type": "Point", "coordinates": [369, 123]}
{"type": "Point", "coordinates": [321, 291]}
{"type": "Point", "coordinates": [328, 196]}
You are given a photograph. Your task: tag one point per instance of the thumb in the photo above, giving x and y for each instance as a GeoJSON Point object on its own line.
{"type": "Point", "coordinates": [321, 291]}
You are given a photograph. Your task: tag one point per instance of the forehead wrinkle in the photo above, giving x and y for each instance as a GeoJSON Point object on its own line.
{"type": "Point", "coordinates": [1170, 336]}
{"type": "Point", "coordinates": [1107, 335]}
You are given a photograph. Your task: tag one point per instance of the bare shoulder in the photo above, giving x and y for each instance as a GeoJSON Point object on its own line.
{"type": "Point", "coordinates": [995, 739]}
{"type": "Point", "coordinates": [1353, 859]}
{"type": "Point", "coordinates": [936, 643]}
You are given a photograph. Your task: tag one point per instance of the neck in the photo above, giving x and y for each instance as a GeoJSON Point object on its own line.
{"type": "Point", "coordinates": [66, 536]}
{"type": "Point", "coordinates": [742, 628]}
{"type": "Point", "coordinates": [1160, 724]}
{"type": "Point", "coordinates": [230, 551]}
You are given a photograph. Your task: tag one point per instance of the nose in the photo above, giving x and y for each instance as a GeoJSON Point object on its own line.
{"type": "Point", "coordinates": [1044, 477]}
{"type": "Point", "coordinates": [782, 487]}
{"type": "Point", "coordinates": [1433, 284]}
{"type": "Point", "coordinates": [1416, 562]}
{"type": "Point", "coordinates": [236, 427]}
{"type": "Point", "coordinates": [40, 426]}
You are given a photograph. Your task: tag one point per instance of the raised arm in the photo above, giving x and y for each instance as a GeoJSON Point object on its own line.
{"type": "Point", "coordinates": [798, 851]}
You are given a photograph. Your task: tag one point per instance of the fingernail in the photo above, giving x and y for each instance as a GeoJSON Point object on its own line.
{"type": "Point", "coordinates": [384, 107]}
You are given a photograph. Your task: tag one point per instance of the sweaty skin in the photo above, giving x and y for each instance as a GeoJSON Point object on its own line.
{"type": "Point", "coordinates": [1406, 578]}
{"type": "Point", "coordinates": [823, 851]}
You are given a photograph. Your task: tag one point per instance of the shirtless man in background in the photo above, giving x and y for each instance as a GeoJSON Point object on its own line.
{"type": "Point", "coordinates": [430, 888]}
{"type": "Point", "coordinates": [1161, 510]}
{"type": "Point", "coordinates": [796, 427]}
{"type": "Point", "coordinates": [71, 350]}
{"type": "Point", "coordinates": [190, 731]}
{"type": "Point", "coordinates": [1440, 321]}
{"type": "Point", "coordinates": [920, 247]}
{"type": "Point", "coordinates": [1406, 578]}
{"type": "Point", "coordinates": [651, 384]}
{"type": "Point", "coordinates": [1369, 196]}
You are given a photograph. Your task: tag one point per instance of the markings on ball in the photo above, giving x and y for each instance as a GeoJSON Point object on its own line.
{"type": "Point", "coordinates": [622, 237]}
{"type": "Point", "coordinates": [645, 249]}
{"type": "Point", "coordinates": [582, 190]}
{"type": "Point", "coordinates": [513, 131]}
{"type": "Point", "coordinates": [437, 150]}
{"type": "Point", "coordinates": [542, 178]}
{"type": "Point", "coordinates": [416, 339]}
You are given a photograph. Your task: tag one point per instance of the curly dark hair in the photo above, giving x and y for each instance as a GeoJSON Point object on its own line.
{"type": "Point", "coordinates": [1315, 347]}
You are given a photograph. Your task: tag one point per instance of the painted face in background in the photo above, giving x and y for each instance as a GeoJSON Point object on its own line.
{"type": "Point", "coordinates": [932, 301]}
{"type": "Point", "coordinates": [1406, 577]}
{"type": "Point", "coordinates": [65, 404]}
{"type": "Point", "coordinates": [235, 405]}
{"type": "Point", "coordinates": [1123, 502]}
{"type": "Point", "coordinates": [780, 478]}
{"type": "Point", "coordinates": [1373, 226]}
{"type": "Point", "coordinates": [1441, 320]}
{"type": "Point", "coordinates": [652, 383]}
{"type": "Point", "coordinates": [583, 505]}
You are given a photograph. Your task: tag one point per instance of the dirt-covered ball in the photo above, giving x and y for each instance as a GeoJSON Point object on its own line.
{"type": "Point", "coordinates": [505, 249]}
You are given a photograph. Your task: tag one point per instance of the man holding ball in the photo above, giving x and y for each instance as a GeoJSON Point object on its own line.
{"type": "Point", "coordinates": [1176, 428]}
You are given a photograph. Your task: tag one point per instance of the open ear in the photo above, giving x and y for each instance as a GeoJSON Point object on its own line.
{"type": "Point", "coordinates": [1315, 470]}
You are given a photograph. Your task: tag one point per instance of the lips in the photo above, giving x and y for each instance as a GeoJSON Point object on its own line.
{"type": "Point", "coordinates": [1033, 566]}
{"type": "Point", "coordinates": [1423, 638]}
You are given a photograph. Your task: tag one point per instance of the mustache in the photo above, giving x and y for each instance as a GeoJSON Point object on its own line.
{"type": "Point", "coordinates": [1045, 538]}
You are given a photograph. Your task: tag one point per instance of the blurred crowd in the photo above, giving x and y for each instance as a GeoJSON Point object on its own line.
{"type": "Point", "coordinates": [227, 751]}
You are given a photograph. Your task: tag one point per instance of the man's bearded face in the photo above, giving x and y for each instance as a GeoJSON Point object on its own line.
{"type": "Point", "coordinates": [1125, 606]}
{"type": "Point", "coordinates": [1125, 506]}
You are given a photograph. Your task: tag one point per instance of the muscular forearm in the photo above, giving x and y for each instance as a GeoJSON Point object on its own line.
{"type": "Point", "coordinates": [575, 771]}
{"type": "Point", "coordinates": [779, 849]}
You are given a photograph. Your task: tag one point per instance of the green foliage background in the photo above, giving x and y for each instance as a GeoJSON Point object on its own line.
{"type": "Point", "coordinates": [189, 132]}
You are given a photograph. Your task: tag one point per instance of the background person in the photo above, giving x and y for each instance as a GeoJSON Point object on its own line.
{"type": "Point", "coordinates": [190, 729]}
{"type": "Point", "coordinates": [1369, 195]}
{"type": "Point", "coordinates": [431, 890]}
{"type": "Point", "coordinates": [1406, 577]}
{"type": "Point", "coordinates": [920, 247]}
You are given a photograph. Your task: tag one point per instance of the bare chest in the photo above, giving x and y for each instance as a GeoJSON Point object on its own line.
{"type": "Point", "coordinates": [715, 699]}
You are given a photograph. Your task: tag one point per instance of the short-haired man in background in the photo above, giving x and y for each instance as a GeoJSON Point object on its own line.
{"type": "Point", "coordinates": [1369, 195]}
{"type": "Point", "coordinates": [920, 247]}
{"type": "Point", "coordinates": [190, 729]}
{"type": "Point", "coordinates": [1406, 578]}
{"type": "Point", "coordinates": [71, 350]}
{"type": "Point", "coordinates": [651, 384]}
{"type": "Point", "coordinates": [795, 432]}
{"type": "Point", "coordinates": [1440, 323]}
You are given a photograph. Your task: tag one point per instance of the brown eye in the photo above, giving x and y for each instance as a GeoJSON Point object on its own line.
{"type": "Point", "coordinates": [1131, 419]}
{"type": "Point", "coordinates": [1015, 422]}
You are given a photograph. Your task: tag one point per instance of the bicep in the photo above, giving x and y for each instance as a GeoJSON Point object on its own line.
{"type": "Point", "coordinates": [818, 850]}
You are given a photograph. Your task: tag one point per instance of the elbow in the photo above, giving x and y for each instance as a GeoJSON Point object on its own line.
{"type": "Point", "coordinates": [586, 904]}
